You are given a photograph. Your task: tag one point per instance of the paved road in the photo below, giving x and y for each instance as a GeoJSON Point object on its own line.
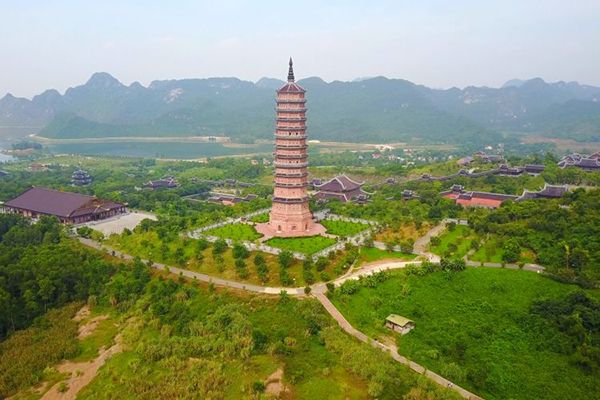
{"type": "Point", "coordinates": [526, 267]}
{"type": "Point", "coordinates": [392, 350]}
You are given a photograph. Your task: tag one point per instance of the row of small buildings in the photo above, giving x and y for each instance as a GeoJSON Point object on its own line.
{"type": "Point", "coordinates": [494, 200]}
{"type": "Point", "coordinates": [502, 170]}
{"type": "Point", "coordinates": [586, 162]}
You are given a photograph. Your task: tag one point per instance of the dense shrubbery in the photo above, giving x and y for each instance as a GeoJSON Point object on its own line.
{"type": "Point", "coordinates": [564, 235]}
{"type": "Point", "coordinates": [25, 355]}
{"type": "Point", "coordinates": [577, 317]}
{"type": "Point", "coordinates": [39, 270]}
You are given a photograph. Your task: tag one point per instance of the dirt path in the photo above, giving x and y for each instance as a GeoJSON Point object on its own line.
{"type": "Point", "coordinates": [88, 328]}
{"type": "Point", "coordinates": [274, 385]}
{"type": "Point", "coordinates": [81, 374]}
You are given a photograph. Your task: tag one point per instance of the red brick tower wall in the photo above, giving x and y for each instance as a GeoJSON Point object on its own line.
{"type": "Point", "coordinates": [290, 214]}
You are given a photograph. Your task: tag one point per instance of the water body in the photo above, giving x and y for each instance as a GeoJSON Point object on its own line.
{"type": "Point", "coordinates": [157, 150]}
{"type": "Point", "coordinates": [5, 157]}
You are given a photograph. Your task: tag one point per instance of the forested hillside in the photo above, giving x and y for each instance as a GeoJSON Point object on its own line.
{"type": "Point", "coordinates": [40, 270]}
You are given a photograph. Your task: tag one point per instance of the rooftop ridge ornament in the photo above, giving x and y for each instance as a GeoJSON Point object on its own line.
{"type": "Point", "coordinates": [291, 71]}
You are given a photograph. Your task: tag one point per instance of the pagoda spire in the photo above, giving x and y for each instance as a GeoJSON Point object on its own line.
{"type": "Point", "coordinates": [291, 71]}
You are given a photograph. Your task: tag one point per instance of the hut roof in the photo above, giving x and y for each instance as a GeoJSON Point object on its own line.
{"type": "Point", "coordinates": [398, 320]}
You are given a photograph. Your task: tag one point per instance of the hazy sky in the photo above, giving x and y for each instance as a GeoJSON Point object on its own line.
{"type": "Point", "coordinates": [57, 44]}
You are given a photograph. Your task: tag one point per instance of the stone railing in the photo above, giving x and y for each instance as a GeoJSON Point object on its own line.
{"type": "Point", "coordinates": [355, 240]}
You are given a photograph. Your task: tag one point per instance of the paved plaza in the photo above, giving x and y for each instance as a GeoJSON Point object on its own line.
{"type": "Point", "coordinates": [119, 223]}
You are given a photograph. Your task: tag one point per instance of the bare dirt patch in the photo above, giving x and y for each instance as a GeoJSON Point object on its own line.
{"type": "Point", "coordinates": [404, 232]}
{"type": "Point", "coordinates": [88, 328]}
{"type": "Point", "coordinates": [274, 384]}
{"type": "Point", "coordinates": [81, 373]}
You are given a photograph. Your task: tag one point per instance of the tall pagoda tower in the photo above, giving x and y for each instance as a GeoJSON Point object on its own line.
{"type": "Point", "coordinates": [290, 214]}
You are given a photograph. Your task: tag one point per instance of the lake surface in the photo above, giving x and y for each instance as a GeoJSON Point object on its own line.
{"type": "Point", "coordinates": [4, 157]}
{"type": "Point", "coordinates": [157, 150]}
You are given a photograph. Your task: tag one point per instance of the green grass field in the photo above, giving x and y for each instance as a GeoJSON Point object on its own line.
{"type": "Point", "coordinates": [475, 328]}
{"type": "Point", "coordinates": [455, 243]}
{"type": "Point", "coordinates": [235, 232]}
{"type": "Point", "coordinates": [306, 245]}
{"type": "Point", "coordinates": [371, 254]}
{"type": "Point", "coordinates": [343, 228]}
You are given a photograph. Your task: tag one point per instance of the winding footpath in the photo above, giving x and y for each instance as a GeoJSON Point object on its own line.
{"type": "Point", "coordinates": [319, 292]}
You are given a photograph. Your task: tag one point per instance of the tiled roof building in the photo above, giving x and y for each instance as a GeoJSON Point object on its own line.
{"type": "Point", "coordinates": [167, 183]}
{"type": "Point", "coordinates": [589, 163]}
{"type": "Point", "coordinates": [341, 188]}
{"type": "Point", "coordinates": [72, 208]}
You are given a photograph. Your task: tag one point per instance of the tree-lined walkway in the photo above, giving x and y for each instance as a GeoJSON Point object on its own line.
{"type": "Point", "coordinates": [391, 349]}
{"type": "Point", "coordinates": [194, 275]}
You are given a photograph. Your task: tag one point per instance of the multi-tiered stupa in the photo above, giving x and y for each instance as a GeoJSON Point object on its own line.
{"type": "Point", "coordinates": [290, 214]}
{"type": "Point", "coordinates": [80, 178]}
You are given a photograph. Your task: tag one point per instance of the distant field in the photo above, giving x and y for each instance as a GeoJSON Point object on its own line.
{"type": "Point", "coordinates": [565, 144]}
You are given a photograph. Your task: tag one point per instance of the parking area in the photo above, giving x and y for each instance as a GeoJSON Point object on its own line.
{"type": "Point", "coordinates": [119, 223]}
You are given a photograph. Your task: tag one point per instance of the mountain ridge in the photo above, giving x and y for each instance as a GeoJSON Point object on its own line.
{"type": "Point", "coordinates": [377, 107]}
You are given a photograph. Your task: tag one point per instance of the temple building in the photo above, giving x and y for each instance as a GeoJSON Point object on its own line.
{"type": "Point", "coordinates": [69, 208]}
{"type": "Point", "coordinates": [476, 199]}
{"type": "Point", "coordinates": [290, 214]}
{"type": "Point", "coordinates": [81, 178]}
{"type": "Point", "coordinates": [341, 188]}
{"type": "Point", "coordinates": [168, 182]}
{"type": "Point", "coordinates": [547, 192]}
{"type": "Point", "coordinates": [585, 162]}
{"type": "Point", "coordinates": [495, 200]}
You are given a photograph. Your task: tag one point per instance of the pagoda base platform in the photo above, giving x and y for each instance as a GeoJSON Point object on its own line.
{"type": "Point", "coordinates": [268, 231]}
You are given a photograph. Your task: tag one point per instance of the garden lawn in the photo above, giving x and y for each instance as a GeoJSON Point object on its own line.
{"type": "Point", "coordinates": [454, 243]}
{"type": "Point", "coordinates": [260, 218]}
{"type": "Point", "coordinates": [405, 231]}
{"type": "Point", "coordinates": [475, 328]}
{"type": "Point", "coordinates": [491, 251]}
{"type": "Point", "coordinates": [183, 253]}
{"type": "Point", "coordinates": [235, 232]}
{"type": "Point", "coordinates": [306, 245]}
{"type": "Point", "coordinates": [371, 254]}
{"type": "Point", "coordinates": [343, 228]}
